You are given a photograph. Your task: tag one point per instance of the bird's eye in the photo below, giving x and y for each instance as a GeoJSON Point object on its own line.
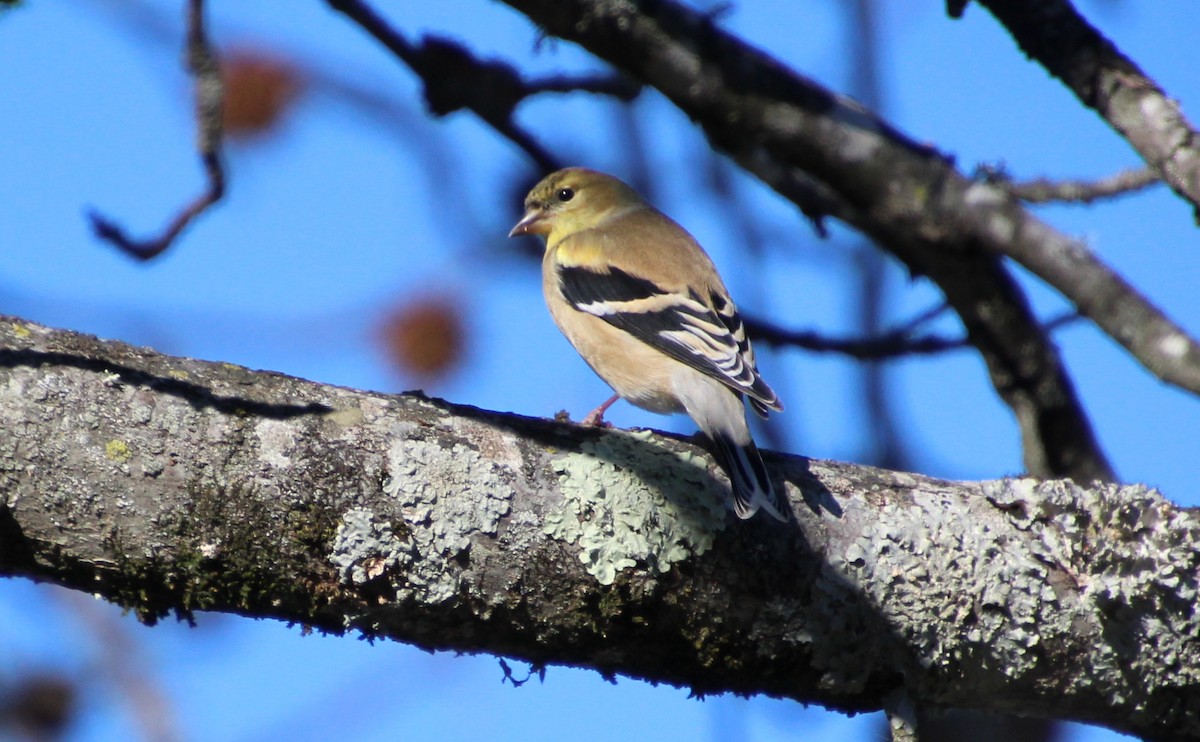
{"type": "Point", "coordinates": [565, 194]}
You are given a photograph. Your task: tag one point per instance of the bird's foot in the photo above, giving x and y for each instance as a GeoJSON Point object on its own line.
{"type": "Point", "coordinates": [595, 418]}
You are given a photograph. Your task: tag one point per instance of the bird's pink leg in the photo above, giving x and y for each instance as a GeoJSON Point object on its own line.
{"type": "Point", "coordinates": [595, 418]}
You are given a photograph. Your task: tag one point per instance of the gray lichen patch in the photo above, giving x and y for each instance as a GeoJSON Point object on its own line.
{"type": "Point", "coordinates": [446, 496]}
{"type": "Point", "coordinates": [276, 440]}
{"type": "Point", "coordinates": [990, 594]}
{"type": "Point", "coordinates": [627, 501]}
{"type": "Point", "coordinates": [365, 548]}
{"type": "Point", "coordinates": [1134, 560]}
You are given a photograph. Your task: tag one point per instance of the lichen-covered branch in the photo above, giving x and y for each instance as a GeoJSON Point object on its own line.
{"type": "Point", "coordinates": [175, 485]}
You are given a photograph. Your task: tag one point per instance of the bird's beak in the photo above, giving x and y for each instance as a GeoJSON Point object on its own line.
{"type": "Point", "coordinates": [530, 223]}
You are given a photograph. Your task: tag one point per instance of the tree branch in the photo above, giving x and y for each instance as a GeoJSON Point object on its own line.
{"type": "Point", "coordinates": [210, 95]}
{"type": "Point", "coordinates": [1056, 436]}
{"type": "Point", "coordinates": [169, 484]}
{"type": "Point", "coordinates": [455, 79]}
{"type": "Point", "coordinates": [1105, 80]}
{"type": "Point", "coordinates": [890, 345]}
{"type": "Point", "coordinates": [828, 153]}
{"type": "Point", "coordinates": [1045, 190]}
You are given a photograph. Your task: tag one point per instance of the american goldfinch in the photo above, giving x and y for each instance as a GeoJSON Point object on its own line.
{"type": "Point", "coordinates": [642, 303]}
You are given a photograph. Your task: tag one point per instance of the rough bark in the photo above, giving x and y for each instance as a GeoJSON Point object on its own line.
{"type": "Point", "coordinates": [174, 485]}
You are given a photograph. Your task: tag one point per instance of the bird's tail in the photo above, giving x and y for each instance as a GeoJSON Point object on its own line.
{"type": "Point", "coordinates": [752, 487]}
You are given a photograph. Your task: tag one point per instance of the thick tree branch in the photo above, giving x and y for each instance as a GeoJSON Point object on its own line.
{"type": "Point", "coordinates": [1105, 80]}
{"type": "Point", "coordinates": [827, 153]}
{"type": "Point", "coordinates": [169, 484]}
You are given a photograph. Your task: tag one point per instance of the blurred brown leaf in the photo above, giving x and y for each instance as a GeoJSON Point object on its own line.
{"type": "Point", "coordinates": [426, 337]}
{"type": "Point", "coordinates": [260, 87]}
{"type": "Point", "coordinates": [40, 706]}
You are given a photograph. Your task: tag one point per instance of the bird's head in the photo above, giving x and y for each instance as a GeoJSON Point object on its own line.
{"type": "Point", "coordinates": [571, 200]}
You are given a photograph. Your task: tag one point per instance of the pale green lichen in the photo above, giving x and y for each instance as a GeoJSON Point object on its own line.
{"type": "Point", "coordinates": [346, 417]}
{"type": "Point", "coordinates": [366, 547]}
{"type": "Point", "coordinates": [626, 500]}
{"type": "Point", "coordinates": [447, 497]}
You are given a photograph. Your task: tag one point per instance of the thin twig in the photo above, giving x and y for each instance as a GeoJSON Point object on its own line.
{"type": "Point", "coordinates": [884, 347]}
{"type": "Point", "coordinates": [618, 86]}
{"type": "Point", "coordinates": [1045, 190]}
{"type": "Point", "coordinates": [455, 79]}
{"type": "Point", "coordinates": [210, 96]}
{"type": "Point", "coordinates": [1105, 80]}
{"type": "Point", "coordinates": [893, 344]}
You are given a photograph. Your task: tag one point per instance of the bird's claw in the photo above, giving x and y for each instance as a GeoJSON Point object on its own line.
{"type": "Point", "coordinates": [595, 419]}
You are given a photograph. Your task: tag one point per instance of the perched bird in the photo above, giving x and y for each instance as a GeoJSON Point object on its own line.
{"type": "Point", "coordinates": [642, 303]}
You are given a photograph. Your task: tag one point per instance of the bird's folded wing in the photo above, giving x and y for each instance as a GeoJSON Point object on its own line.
{"type": "Point", "coordinates": [706, 335]}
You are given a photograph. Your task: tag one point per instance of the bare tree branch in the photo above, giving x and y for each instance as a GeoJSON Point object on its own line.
{"type": "Point", "coordinates": [621, 88]}
{"type": "Point", "coordinates": [1045, 190]}
{"type": "Point", "coordinates": [1056, 435]}
{"type": "Point", "coordinates": [893, 344]}
{"type": "Point", "coordinates": [455, 79]}
{"type": "Point", "coordinates": [887, 346]}
{"type": "Point", "coordinates": [826, 152]}
{"type": "Point", "coordinates": [175, 485]}
{"type": "Point", "coordinates": [1025, 369]}
{"type": "Point", "coordinates": [210, 94]}
{"type": "Point", "coordinates": [1105, 80]}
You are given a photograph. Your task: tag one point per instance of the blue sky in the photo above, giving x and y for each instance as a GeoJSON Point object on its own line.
{"type": "Point", "coordinates": [338, 217]}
